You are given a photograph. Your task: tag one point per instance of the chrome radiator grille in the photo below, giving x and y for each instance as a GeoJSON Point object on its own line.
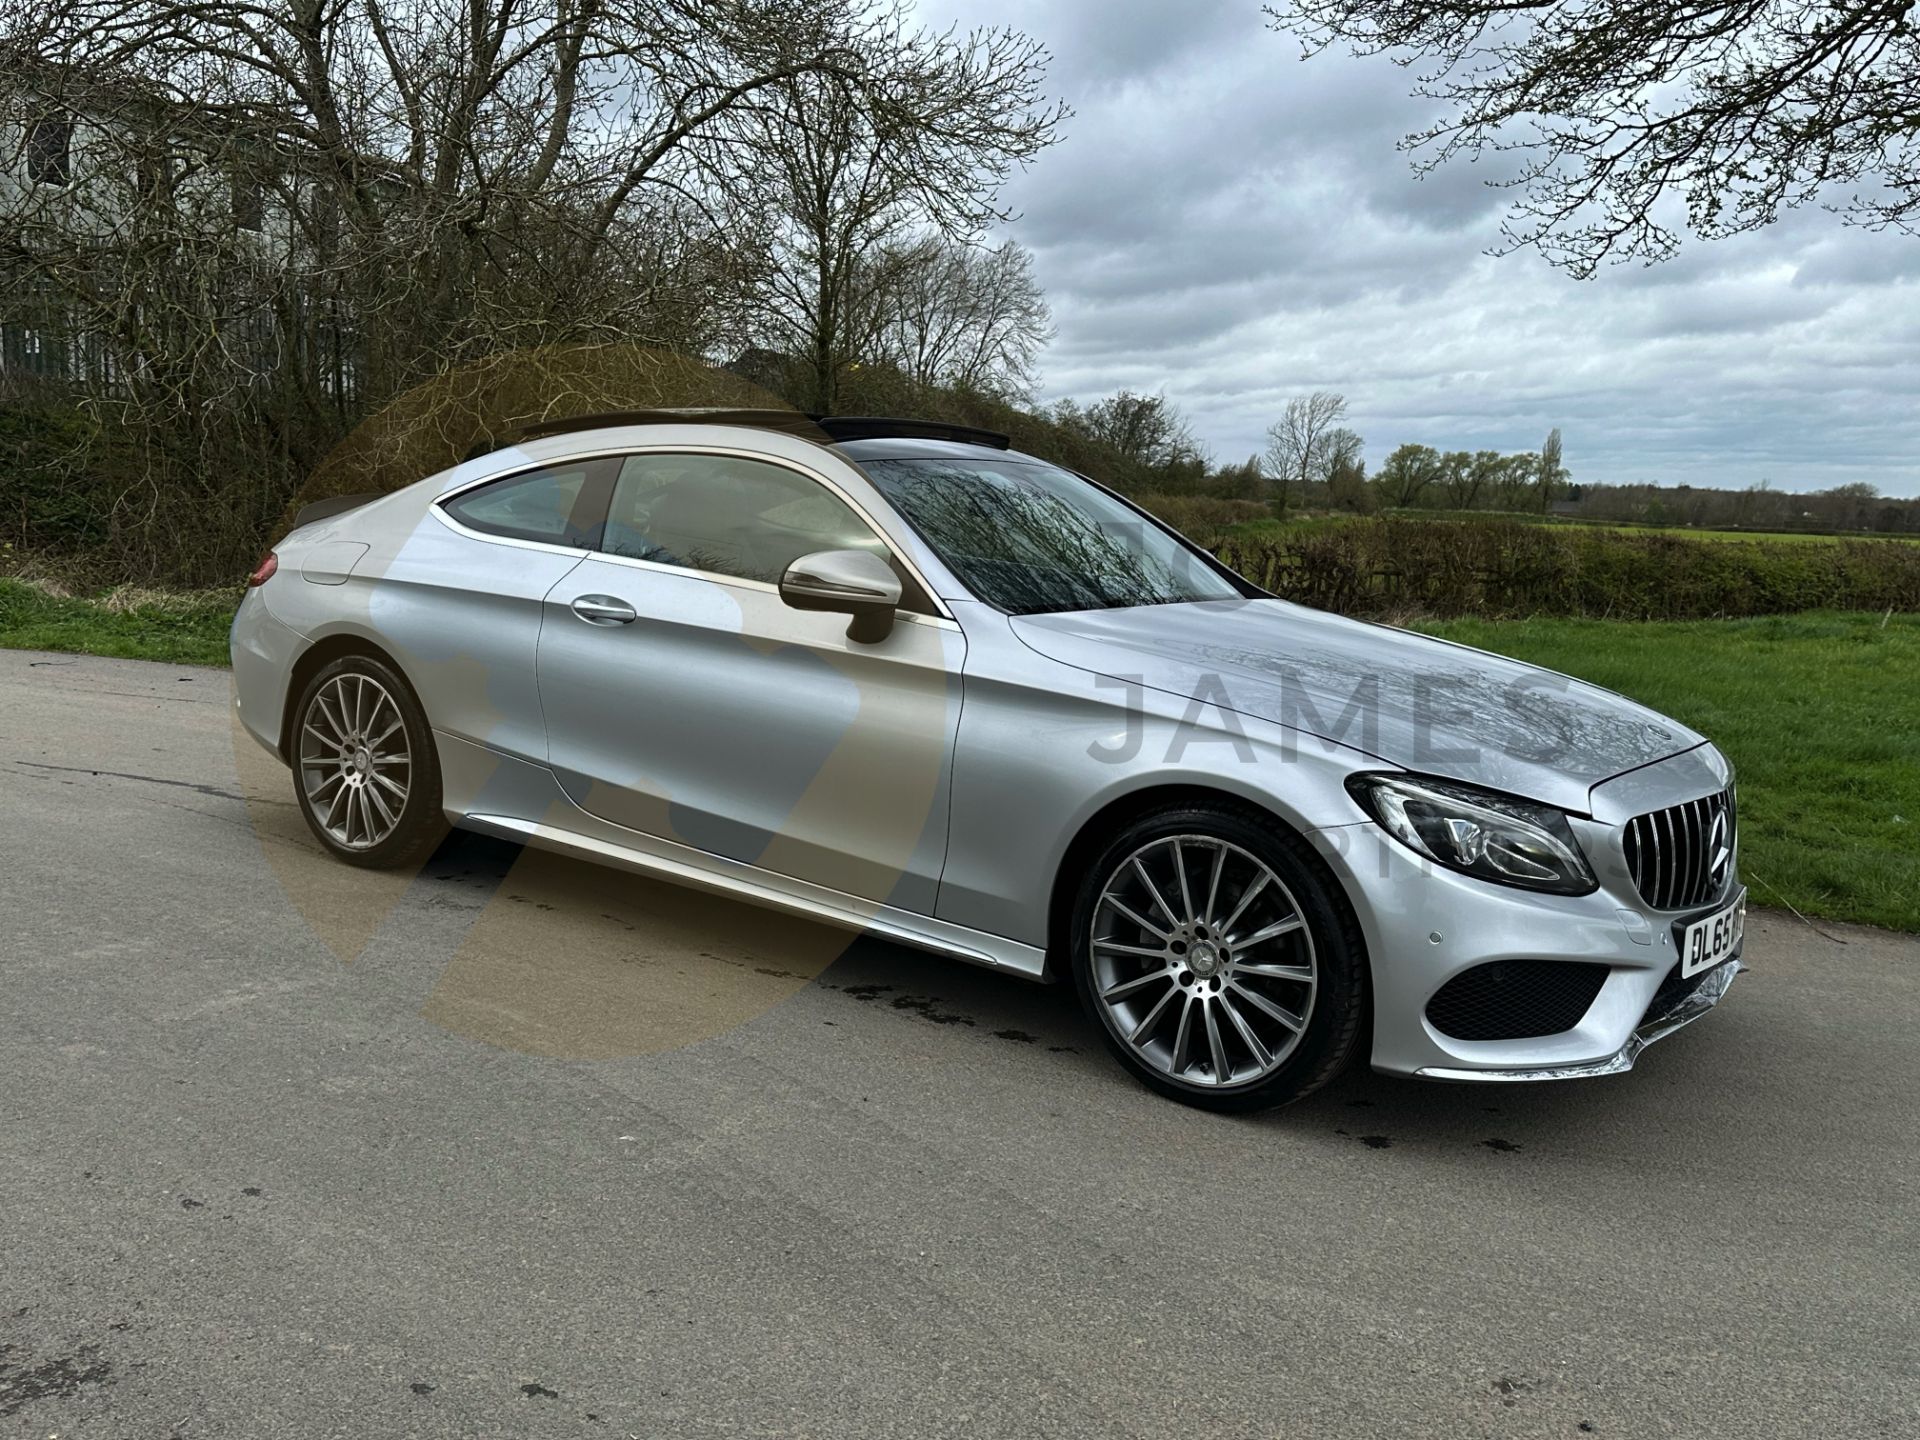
{"type": "Point", "coordinates": [1682, 856]}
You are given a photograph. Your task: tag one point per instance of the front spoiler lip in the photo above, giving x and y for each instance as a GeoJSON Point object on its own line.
{"type": "Point", "coordinates": [1697, 1002]}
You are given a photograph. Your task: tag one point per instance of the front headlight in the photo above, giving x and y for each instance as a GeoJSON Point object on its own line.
{"type": "Point", "coordinates": [1478, 832]}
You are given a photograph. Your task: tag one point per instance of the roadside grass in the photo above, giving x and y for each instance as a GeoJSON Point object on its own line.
{"type": "Point", "coordinates": [182, 628]}
{"type": "Point", "coordinates": [1820, 714]}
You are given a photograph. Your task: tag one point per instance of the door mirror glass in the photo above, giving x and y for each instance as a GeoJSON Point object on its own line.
{"type": "Point", "coordinates": [849, 582]}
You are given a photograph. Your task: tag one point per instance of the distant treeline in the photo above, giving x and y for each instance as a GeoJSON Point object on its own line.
{"type": "Point", "coordinates": [1842, 510]}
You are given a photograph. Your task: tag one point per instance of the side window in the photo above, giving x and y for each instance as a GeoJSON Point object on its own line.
{"type": "Point", "coordinates": [249, 202]}
{"type": "Point", "coordinates": [727, 516]}
{"type": "Point", "coordinates": [50, 150]}
{"type": "Point", "coordinates": [559, 505]}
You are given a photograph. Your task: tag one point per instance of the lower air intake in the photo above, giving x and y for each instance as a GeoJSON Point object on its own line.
{"type": "Point", "coordinates": [1515, 999]}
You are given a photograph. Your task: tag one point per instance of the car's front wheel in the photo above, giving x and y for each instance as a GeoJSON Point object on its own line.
{"type": "Point", "coordinates": [365, 771]}
{"type": "Point", "coordinates": [1222, 968]}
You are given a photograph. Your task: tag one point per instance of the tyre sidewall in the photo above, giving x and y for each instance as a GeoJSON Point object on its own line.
{"type": "Point", "coordinates": [1332, 1032]}
{"type": "Point", "coordinates": [421, 821]}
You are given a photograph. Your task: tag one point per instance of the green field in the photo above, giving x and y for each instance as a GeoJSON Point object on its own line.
{"type": "Point", "coordinates": [1795, 537]}
{"type": "Point", "coordinates": [1292, 525]}
{"type": "Point", "coordinates": [1820, 714]}
{"type": "Point", "coordinates": [1303, 524]}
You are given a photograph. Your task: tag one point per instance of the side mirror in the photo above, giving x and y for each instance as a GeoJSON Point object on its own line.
{"type": "Point", "coordinates": [850, 582]}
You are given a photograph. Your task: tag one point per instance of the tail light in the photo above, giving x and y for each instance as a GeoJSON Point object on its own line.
{"type": "Point", "coordinates": [263, 572]}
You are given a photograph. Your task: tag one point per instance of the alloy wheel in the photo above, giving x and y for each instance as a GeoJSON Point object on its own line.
{"type": "Point", "coordinates": [355, 765]}
{"type": "Point", "coordinates": [1203, 961]}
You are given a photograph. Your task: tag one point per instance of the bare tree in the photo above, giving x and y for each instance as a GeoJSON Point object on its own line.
{"type": "Point", "coordinates": [851, 174]}
{"type": "Point", "coordinates": [1144, 431]}
{"type": "Point", "coordinates": [470, 176]}
{"type": "Point", "coordinates": [1346, 473]}
{"type": "Point", "coordinates": [966, 316]}
{"type": "Point", "coordinates": [240, 226]}
{"type": "Point", "coordinates": [1739, 110]}
{"type": "Point", "coordinates": [1300, 442]}
{"type": "Point", "coordinates": [1343, 449]}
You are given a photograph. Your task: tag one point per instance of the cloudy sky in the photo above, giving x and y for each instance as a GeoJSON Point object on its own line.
{"type": "Point", "coordinates": [1234, 227]}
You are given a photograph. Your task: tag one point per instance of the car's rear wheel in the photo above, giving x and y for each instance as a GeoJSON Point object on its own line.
{"type": "Point", "coordinates": [1221, 966]}
{"type": "Point", "coordinates": [365, 771]}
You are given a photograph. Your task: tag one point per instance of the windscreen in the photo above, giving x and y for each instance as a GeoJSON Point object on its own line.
{"type": "Point", "coordinates": [1028, 538]}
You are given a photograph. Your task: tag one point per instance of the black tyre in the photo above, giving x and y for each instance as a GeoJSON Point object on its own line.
{"type": "Point", "coordinates": [1221, 966]}
{"type": "Point", "coordinates": [365, 772]}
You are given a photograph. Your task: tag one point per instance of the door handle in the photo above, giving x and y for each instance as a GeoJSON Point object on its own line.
{"type": "Point", "coordinates": [604, 610]}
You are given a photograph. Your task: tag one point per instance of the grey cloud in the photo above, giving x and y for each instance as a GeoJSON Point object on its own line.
{"type": "Point", "coordinates": [1107, 43]}
{"type": "Point", "coordinates": [1723, 309]}
{"type": "Point", "coordinates": [1235, 227]}
{"type": "Point", "coordinates": [1858, 258]}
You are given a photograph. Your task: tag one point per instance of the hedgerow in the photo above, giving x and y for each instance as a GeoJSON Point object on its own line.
{"type": "Point", "coordinates": [1393, 566]}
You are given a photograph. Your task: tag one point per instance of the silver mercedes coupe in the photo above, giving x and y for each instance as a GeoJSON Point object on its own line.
{"type": "Point", "coordinates": [899, 677]}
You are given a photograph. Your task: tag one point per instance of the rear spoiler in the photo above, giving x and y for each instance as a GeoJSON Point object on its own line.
{"type": "Point", "coordinates": [326, 509]}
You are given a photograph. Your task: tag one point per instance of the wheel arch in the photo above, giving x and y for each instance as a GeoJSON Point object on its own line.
{"type": "Point", "coordinates": [1099, 828]}
{"type": "Point", "coordinates": [315, 658]}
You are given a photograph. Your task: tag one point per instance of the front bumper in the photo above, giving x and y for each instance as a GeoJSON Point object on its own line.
{"type": "Point", "coordinates": [1424, 925]}
{"type": "Point", "coordinates": [1659, 1023]}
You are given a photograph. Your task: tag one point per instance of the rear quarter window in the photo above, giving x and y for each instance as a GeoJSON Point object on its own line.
{"type": "Point", "coordinates": [559, 505]}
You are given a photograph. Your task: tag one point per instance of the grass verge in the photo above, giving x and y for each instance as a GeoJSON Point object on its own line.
{"type": "Point", "coordinates": [181, 628]}
{"type": "Point", "coordinates": [1820, 714]}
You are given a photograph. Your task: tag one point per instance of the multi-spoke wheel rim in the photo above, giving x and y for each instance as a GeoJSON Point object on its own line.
{"type": "Point", "coordinates": [1203, 963]}
{"type": "Point", "coordinates": [355, 767]}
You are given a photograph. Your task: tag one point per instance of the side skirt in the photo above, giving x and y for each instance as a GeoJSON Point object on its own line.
{"type": "Point", "coordinates": [489, 792]}
{"type": "Point", "coordinates": [647, 856]}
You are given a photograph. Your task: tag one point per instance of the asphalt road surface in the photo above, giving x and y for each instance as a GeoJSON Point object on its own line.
{"type": "Point", "coordinates": [515, 1147]}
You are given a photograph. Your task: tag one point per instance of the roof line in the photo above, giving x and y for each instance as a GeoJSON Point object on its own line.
{"type": "Point", "coordinates": [824, 429]}
{"type": "Point", "coordinates": [790, 422]}
{"type": "Point", "coordinates": [879, 427]}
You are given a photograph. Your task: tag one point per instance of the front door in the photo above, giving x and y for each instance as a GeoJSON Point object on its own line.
{"type": "Point", "coordinates": [686, 701]}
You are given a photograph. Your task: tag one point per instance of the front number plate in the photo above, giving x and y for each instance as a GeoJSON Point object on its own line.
{"type": "Point", "coordinates": [1705, 943]}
